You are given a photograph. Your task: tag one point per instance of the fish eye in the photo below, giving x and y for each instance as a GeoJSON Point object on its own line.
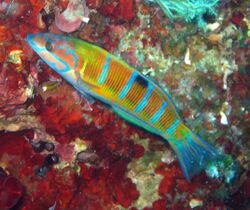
{"type": "Point", "coordinates": [48, 46]}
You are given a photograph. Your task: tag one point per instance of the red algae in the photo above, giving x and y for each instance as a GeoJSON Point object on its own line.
{"type": "Point", "coordinates": [12, 89]}
{"type": "Point", "coordinates": [93, 158]}
{"type": "Point", "coordinates": [94, 4]}
{"type": "Point", "coordinates": [118, 10]}
{"type": "Point", "coordinates": [60, 117]}
{"type": "Point", "coordinates": [115, 189]}
{"type": "Point", "coordinates": [10, 190]}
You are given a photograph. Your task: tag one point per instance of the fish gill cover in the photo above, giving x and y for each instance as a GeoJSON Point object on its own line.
{"type": "Point", "coordinates": [57, 151]}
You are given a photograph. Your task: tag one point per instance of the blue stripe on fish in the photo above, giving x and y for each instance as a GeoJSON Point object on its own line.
{"type": "Point", "coordinates": [69, 52]}
{"type": "Point", "coordinates": [51, 64]}
{"type": "Point", "coordinates": [159, 113]}
{"type": "Point", "coordinates": [144, 101]}
{"type": "Point", "coordinates": [173, 127]}
{"type": "Point", "coordinates": [127, 87]}
{"type": "Point", "coordinates": [105, 69]}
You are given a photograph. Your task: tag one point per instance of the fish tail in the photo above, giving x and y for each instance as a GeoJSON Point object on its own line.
{"type": "Point", "coordinates": [193, 153]}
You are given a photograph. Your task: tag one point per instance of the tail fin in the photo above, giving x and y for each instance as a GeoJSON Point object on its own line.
{"type": "Point", "coordinates": [193, 153]}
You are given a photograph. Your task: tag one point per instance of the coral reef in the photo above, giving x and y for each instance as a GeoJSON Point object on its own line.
{"type": "Point", "coordinates": [57, 151]}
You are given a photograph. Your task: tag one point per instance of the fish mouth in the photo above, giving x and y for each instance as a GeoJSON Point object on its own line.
{"type": "Point", "coordinates": [34, 42]}
{"type": "Point", "coordinates": [30, 39]}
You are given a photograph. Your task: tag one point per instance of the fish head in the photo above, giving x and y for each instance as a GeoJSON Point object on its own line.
{"type": "Point", "coordinates": [57, 51]}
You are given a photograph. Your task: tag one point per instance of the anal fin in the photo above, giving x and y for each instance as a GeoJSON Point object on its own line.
{"type": "Point", "coordinates": [133, 119]}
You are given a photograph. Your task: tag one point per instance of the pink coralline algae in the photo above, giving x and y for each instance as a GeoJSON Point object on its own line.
{"type": "Point", "coordinates": [71, 19]}
{"type": "Point", "coordinates": [72, 154]}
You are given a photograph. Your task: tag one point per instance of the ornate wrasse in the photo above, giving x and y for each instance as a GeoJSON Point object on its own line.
{"type": "Point", "coordinates": [96, 73]}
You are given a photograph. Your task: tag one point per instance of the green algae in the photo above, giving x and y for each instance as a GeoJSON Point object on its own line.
{"type": "Point", "coordinates": [188, 10]}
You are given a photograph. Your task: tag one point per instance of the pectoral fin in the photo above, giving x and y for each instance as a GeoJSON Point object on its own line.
{"type": "Point", "coordinates": [84, 89]}
{"type": "Point", "coordinates": [84, 83]}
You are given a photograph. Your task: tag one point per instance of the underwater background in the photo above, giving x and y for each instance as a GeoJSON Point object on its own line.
{"type": "Point", "coordinates": [58, 152]}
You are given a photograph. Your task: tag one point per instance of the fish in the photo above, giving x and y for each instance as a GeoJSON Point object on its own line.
{"type": "Point", "coordinates": [99, 75]}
